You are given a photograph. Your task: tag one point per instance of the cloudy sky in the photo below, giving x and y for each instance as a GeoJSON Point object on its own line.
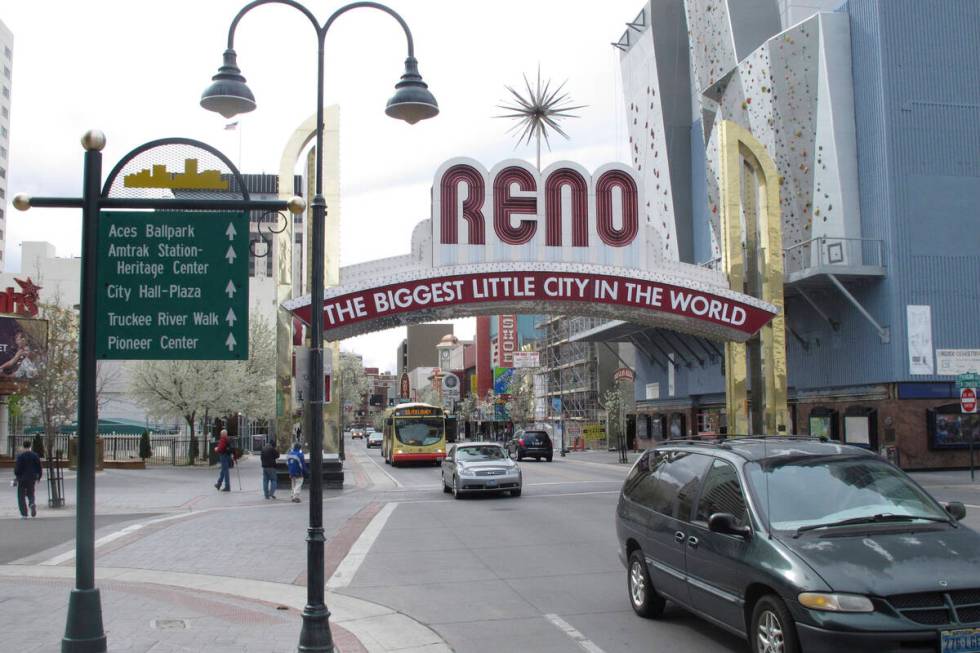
{"type": "Point", "coordinates": [136, 69]}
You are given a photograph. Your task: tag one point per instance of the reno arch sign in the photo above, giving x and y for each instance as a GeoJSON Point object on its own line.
{"type": "Point", "coordinates": [513, 240]}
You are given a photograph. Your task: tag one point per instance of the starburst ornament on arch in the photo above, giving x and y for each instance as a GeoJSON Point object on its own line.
{"type": "Point", "coordinates": [538, 112]}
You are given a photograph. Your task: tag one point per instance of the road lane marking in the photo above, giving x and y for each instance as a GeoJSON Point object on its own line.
{"type": "Point", "coordinates": [359, 550]}
{"type": "Point", "coordinates": [384, 471]}
{"type": "Point", "coordinates": [570, 630]}
{"type": "Point", "coordinates": [111, 537]}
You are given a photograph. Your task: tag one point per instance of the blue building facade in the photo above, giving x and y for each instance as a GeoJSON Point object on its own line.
{"type": "Point", "coordinates": [882, 292]}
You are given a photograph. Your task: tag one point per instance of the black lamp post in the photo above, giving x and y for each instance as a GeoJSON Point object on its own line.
{"type": "Point", "coordinates": [412, 102]}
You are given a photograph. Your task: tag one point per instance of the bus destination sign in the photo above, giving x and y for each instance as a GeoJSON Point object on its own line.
{"type": "Point", "coordinates": [172, 285]}
{"type": "Point", "coordinates": [419, 412]}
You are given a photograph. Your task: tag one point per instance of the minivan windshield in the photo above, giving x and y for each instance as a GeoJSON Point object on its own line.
{"type": "Point", "coordinates": [816, 491]}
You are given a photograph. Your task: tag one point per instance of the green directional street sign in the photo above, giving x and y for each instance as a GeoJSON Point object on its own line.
{"type": "Point", "coordinates": [173, 285]}
{"type": "Point", "coordinates": [968, 380]}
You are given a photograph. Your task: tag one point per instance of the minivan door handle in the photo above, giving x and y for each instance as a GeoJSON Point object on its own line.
{"type": "Point", "coordinates": [692, 542]}
{"type": "Point", "coordinates": [678, 536]}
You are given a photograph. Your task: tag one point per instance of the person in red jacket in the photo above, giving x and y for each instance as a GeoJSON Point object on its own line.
{"type": "Point", "coordinates": [224, 451]}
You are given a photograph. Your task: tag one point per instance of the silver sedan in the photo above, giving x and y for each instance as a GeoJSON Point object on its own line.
{"type": "Point", "coordinates": [480, 467]}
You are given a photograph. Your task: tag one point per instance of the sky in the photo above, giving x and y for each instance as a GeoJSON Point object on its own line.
{"type": "Point", "coordinates": [136, 70]}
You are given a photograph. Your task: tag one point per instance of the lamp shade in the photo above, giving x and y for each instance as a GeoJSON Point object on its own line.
{"type": "Point", "coordinates": [228, 93]}
{"type": "Point", "coordinates": [412, 100]}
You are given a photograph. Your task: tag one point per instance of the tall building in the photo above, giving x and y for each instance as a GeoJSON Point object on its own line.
{"type": "Point", "coordinates": [6, 80]}
{"type": "Point", "coordinates": [868, 109]}
{"type": "Point", "coordinates": [419, 348]}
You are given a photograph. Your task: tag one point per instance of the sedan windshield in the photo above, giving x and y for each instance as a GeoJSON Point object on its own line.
{"type": "Point", "coordinates": [419, 432]}
{"type": "Point", "coordinates": [822, 491]}
{"type": "Point", "coordinates": [476, 454]}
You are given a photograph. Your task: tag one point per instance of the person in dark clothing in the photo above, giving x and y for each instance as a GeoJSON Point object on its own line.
{"type": "Point", "coordinates": [269, 482]}
{"type": "Point", "coordinates": [27, 472]}
{"type": "Point", "coordinates": [224, 451]}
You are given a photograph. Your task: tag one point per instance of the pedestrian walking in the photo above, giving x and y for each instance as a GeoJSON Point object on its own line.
{"type": "Point", "coordinates": [27, 472]}
{"type": "Point", "coordinates": [269, 481]}
{"type": "Point", "coordinates": [297, 469]}
{"type": "Point", "coordinates": [224, 451]}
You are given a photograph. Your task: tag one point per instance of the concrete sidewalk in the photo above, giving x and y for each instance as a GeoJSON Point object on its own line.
{"type": "Point", "coordinates": [186, 568]}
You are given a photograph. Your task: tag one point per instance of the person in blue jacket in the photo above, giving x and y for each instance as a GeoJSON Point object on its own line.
{"type": "Point", "coordinates": [27, 472]}
{"type": "Point", "coordinates": [297, 469]}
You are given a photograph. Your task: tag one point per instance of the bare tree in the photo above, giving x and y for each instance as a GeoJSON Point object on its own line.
{"type": "Point", "coordinates": [189, 388]}
{"type": "Point", "coordinates": [353, 382]}
{"type": "Point", "coordinates": [52, 395]}
{"type": "Point", "coordinates": [520, 405]}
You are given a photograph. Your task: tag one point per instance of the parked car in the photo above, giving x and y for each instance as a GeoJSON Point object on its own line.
{"type": "Point", "coordinates": [374, 440]}
{"type": "Point", "coordinates": [480, 467]}
{"type": "Point", "coordinates": [531, 444]}
{"type": "Point", "coordinates": [799, 545]}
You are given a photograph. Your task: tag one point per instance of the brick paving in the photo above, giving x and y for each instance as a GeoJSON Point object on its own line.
{"type": "Point", "coordinates": [205, 536]}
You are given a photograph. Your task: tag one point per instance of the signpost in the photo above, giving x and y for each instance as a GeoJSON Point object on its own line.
{"type": "Point", "coordinates": [173, 285]}
{"type": "Point", "coordinates": [968, 400]}
{"type": "Point", "coordinates": [968, 384]}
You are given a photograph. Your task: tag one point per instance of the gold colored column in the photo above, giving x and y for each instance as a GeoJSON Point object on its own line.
{"type": "Point", "coordinates": [738, 148]}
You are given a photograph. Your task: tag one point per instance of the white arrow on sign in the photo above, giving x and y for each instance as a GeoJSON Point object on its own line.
{"type": "Point", "coordinates": [230, 342]}
{"type": "Point", "coordinates": [230, 231]}
{"type": "Point", "coordinates": [230, 254]}
{"type": "Point", "coordinates": [230, 289]}
{"type": "Point", "coordinates": [231, 317]}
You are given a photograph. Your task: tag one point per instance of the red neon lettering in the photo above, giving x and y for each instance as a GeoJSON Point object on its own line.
{"type": "Point", "coordinates": [580, 207]}
{"type": "Point", "coordinates": [604, 210]}
{"type": "Point", "coordinates": [505, 206]}
{"type": "Point", "coordinates": [472, 206]}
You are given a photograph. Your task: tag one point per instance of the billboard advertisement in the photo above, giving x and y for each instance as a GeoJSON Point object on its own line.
{"type": "Point", "coordinates": [525, 359]}
{"type": "Point", "coordinates": [501, 379]}
{"type": "Point", "coordinates": [23, 345]}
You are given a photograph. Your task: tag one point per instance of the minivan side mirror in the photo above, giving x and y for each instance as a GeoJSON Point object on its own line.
{"type": "Point", "coordinates": [725, 523]}
{"type": "Point", "coordinates": [956, 509]}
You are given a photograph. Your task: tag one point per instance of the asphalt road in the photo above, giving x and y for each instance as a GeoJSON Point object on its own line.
{"type": "Point", "coordinates": [535, 573]}
{"type": "Point", "coordinates": [24, 537]}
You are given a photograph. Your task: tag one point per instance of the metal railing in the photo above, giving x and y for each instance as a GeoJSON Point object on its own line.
{"type": "Point", "coordinates": [711, 264]}
{"type": "Point", "coordinates": [828, 251]}
{"type": "Point", "coordinates": [167, 449]}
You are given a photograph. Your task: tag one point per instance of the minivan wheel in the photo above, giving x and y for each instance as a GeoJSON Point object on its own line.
{"type": "Point", "coordinates": [643, 597]}
{"type": "Point", "coordinates": [773, 630]}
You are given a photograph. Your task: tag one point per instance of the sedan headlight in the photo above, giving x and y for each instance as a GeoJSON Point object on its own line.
{"type": "Point", "coordinates": [463, 471]}
{"type": "Point", "coordinates": [836, 602]}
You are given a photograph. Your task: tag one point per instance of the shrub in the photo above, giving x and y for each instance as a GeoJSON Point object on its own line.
{"type": "Point", "coordinates": [145, 450]}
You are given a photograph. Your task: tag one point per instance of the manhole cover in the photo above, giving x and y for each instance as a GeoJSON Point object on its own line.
{"type": "Point", "coordinates": [170, 624]}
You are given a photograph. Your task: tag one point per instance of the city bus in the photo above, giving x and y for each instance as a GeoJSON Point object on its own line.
{"type": "Point", "coordinates": [414, 432]}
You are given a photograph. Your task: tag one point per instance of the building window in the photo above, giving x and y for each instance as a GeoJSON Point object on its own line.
{"type": "Point", "coordinates": [6, 112]}
{"type": "Point", "coordinates": [3, 173]}
{"type": "Point", "coordinates": [3, 131]}
{"type": "Point", "coordinates": [7, 52]}
{"type": "Point", "coordinates": [6, 92]}
{"type": "Point", "coordinates": [3, 153]}
{"type": "Point", "coordinates": [3, 193]}
{"type": "Point", "coordinates": [6, 72]}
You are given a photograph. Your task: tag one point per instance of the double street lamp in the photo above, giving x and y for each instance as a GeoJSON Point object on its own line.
{"type": "Point", "coordinates": [412, 102]}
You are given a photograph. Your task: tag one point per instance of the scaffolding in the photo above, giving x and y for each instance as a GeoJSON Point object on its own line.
{"type": "Point", "coordinates": [571, 369]}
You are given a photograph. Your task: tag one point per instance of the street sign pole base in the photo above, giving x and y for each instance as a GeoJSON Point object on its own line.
{"type": "Point", "coordinates": [84, 632]}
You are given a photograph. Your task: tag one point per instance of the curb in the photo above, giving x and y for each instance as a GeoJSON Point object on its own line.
{"type": "Point", "coordinates": [378, 628]}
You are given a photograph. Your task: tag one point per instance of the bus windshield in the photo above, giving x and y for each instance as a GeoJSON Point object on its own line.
{"type": "Point", "coordinates": [419, 432]}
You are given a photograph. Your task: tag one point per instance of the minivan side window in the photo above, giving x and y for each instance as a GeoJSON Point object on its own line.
{"type": "Point", "coordinates": [680, 480]}
{"type": "Point", "coordinates": [641, 485]}
{"type": "Point", "coordinates": [721, 493]}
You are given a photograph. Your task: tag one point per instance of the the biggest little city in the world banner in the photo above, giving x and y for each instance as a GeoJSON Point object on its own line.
{"type": "Point", "coordinates": [172, 285]}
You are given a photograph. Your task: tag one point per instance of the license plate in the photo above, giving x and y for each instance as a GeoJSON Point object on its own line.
{"type": "Point", "coordinates": [492, 483]}
{"type": "Point", "coordinates": [964, 640]}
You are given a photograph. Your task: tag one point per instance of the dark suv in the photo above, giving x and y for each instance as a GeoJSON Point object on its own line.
{"type": "Point", "coordinates": [799, 544]}
{"type": "Point", "coordinates": [531, 444]}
